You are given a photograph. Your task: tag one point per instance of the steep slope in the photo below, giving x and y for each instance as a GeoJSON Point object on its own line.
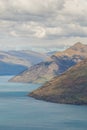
{"type": "Point", "coordinates": [14, 62]}
{"type": "Point", "coordinates": [76, 50]}
{"type": "Point", "coordinates": [54, 65]}
{"type": "Point", "coordinates": [70, 87]}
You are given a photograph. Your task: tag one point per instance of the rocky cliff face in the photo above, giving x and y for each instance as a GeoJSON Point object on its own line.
{"type": "Point", "coordinates": [69, 88]}
{"type": "Point", "coordinates": [54, 65]}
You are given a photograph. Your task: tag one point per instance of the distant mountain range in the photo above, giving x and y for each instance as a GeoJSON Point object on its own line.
{"type": "Point", "coordinates": [51, 53]}
{"type": "Point", "coordinates": [15, 62]}
{"type": "Point", "coordinates": [54, 65]}
{"type": "Point", "coordinates": [69, 88]}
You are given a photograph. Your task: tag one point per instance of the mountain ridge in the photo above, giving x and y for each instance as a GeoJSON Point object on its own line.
{"type": "Point", "coordinates": [68, 88]}
{"type": "Point", "coordinates": [13, 62]}
{"type": "Point", "coordinates": [53, 66]}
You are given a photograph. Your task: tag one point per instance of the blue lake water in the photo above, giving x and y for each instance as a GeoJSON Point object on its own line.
{"type": "Point", "coordinates": [20, 112]}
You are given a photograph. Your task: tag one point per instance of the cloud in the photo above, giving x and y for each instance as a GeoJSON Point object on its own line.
{"type": "Point", "coordinates": [35, 7]}
{"type": "Point", "coordinates": [43, 20]}
{"type": "Point", "coordinates": [75, 7]}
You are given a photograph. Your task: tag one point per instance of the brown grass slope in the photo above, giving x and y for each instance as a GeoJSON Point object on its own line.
{"type": "Point", "coordinates": [69, 88]}
{"type": "Point", "coordinates": [54, 65]}
{"type": "Point", "coordinates": [78, 49]}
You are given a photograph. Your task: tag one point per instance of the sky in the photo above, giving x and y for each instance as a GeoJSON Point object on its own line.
{"type": "Point", "coordinates": [38, 24]}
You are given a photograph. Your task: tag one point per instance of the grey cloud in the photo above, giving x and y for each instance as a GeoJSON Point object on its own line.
{"type": "Point", "coordinates": [48, 19]}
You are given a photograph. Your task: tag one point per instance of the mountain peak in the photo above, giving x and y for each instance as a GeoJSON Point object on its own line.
{"type": "Point", "coordinates": [78, 44]}
{"type": "Point", "coordinates": [79, 47]}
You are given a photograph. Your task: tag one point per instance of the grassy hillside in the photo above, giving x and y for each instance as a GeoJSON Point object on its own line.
{"type": "Point", "coordinates": [54, 65]}
{"type": "Point", "coordinates": [69, 88]}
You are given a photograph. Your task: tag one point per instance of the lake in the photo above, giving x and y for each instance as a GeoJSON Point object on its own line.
{"type": "Point", "coordinates": [20, 112]}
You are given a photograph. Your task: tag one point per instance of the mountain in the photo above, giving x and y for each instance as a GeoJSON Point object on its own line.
{"type": "Point", "coordinates": [14, 62]}
{"type": "Point", "coordinates": [78, 50]}
{"type": "Point", "coordinates": [54, 65]}
{"type": "Point", "coordinates": [51, 53]}
{"type": "Point", "coordinates": [31, 56]}
{"type": "Point", "coordinates": [69, 88]}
